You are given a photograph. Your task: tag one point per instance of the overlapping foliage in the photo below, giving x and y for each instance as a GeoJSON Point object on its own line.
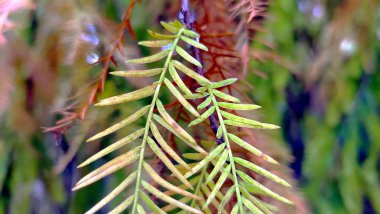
{"type": "Point", "coordinates": [224, 161]}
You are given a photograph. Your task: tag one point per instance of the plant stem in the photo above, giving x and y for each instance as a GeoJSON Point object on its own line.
{"type": "Point", "coordinates": [230, 155]}
{"type": "Point", "coordinates": [149, 119]}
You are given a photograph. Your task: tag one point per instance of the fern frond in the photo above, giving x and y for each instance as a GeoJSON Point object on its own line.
{"type": "Point", "coordinates": [150, 134]}
{"type": "Point", "coordinates": [229, 167]}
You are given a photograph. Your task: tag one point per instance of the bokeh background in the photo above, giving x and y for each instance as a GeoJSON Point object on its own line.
{"type": "Point", "coordinates": [315, 71]}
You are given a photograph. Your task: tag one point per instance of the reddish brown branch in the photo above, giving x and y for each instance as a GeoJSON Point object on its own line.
{"type": "Point", "coordinates": [72, 115]}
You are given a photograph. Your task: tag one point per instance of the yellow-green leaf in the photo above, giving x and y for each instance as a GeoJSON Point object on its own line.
{"type": "Point", "coordinates": [251, 125]}
{"type": "Point", "coordinates": [261, 171]}
{"type": "Point", "coordinates": [150, 203]}
{"type": "Point", "coordinates": [223, 83]}
{"type": "Point", "coordinates": [168, 199]}
{"type": "Point", "coordinates": [108, 168]}
{"type": "Point", "coordinates": [250, 148]}
{"type": "Point", "coordinates": [176, 126]}
{"type": "Point", "coordinates": [218, 184]}
{"type": "Point", "coordinates": [255, 201]}
{"type": "Point", "coordinates": [160, 36]}
{"type": "Point", "coordinates": [164, 123]}
{"type": "Point", "coordinates": [225, 96]}
{"type": "Point", "coordinates": [155, 43]}
{"type": "Point", "coordinates": [261, 187]}
{"type": "Point", "coordinates": [204, 116]}
{"type": "Point", "coordinates": [187, 56]}
{"type": "Point", "coordinates": [247, 122]}
{"type": "Point", "coordinates": [166, 147]}
{"type": "Point", "coordinates": [235, 210]}
{"type": "Point", "coordinates": [123, 205]}
{"type": "Point", "coordinates": [205, 103]}
{"type": "Point", "coordinates": [170, 207]}
{"type": "Point", "coordinates": [140, 209]}
{"type": "Point", "coordinates": [194, 156]}
{"type": "Point", "coordinates": [178, 80]}
{"type": "Point", "coordinates": [118, 144]}
{"type": "Point", "coordinates": [235, 106]}
{"type": "Point", "coordinates": [121, 124]}
{"type": "Point", "coordinates": [251, 206]}
{"type": "Point", "coordinates": [200, 79]}
{"type": "Point", "coordinates": [170, 27]}
{"type": "Point", "coordinates": [157, 178]}
{"type": "Point", "coordinates": [207, 192]}
{"type": "Point", "coordinates": [180, 98]}
{"type": "Point", "coordinates": [131, 96]}
{"type": "Point", "coordinates": [152, 58]}
{"type": "Point", "coordinates": [167, 162]}
{"type": "Point", "coordinates": [190, 33]}
{"type": "Point", "coordinates": [219, 132]}
{"type": "Point", "coordinates": [207, 159]}
{"type": "Point", "coordinates": [218, 166]}
{"type": "Point", "coordinates": [194, 43]}
{"type": "Point", "coordinates": [196, 96]}
{"type": "Point", "coordinates": [116, 191]}
{"type": "Point", "coordinates": [138, 73]}
{"type": "Point", "coordinates": [202, 89]}
{"type": "Point", "coordinates": [226, 198]}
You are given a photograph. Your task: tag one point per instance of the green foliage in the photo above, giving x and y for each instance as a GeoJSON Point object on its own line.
{"type": "Point", "coordinates": [222, 157]}
{"type": "Point", "coordinates": [163, 118]}
{"type": "Point", "coordinates": [224, 161]}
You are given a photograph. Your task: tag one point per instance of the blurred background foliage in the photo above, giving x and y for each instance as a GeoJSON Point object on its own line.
{"type": "Point", "coordinates": [316, 72]}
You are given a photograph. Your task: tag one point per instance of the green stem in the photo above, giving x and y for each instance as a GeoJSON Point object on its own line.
{"type": "Point", "coordinates": [198, 187]}
{"type": "Point", "coordinates": [230, 155]}
{"type": "Point", "coordinates": [149, 119]}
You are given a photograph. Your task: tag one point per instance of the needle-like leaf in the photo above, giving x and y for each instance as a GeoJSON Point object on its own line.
{"type": "Point", "coordinates": [155, 43]}
{"type": "Point", "coordinates": [108, 168]}
{"type": "Point", "coordinates": [261, 187]}
{"type": "Point", "coordinates": [218, 184]}
{"type": "Point", "coordinates": [204, 116]}
{"type": "Point", "coordinates": [235, 106]}
{"type": "Point", "coordinates": [187, 56]}
{"type": "Point", "coordinates": [200, 79]}
{"type": "Point", "coordinates": [123, 205]}
{"type": "Point", "coordinates": [131, 96]}
{"type": "Point", "coordinates": [121, 124]}
{"type": "Point", "coordinates": [113, 194]}
{"type": "Point", "coordinates": [261, 171]}
{"type": "Point", "coordinates": [170, 27]}
{"type": "Point", "coordinates": [152, 58]}
{"type": "Point", "coordinates": [223, 83]}
{"type": "Point", "coordinates": [192, 144]}
{"type": "Point", "coordinates": [250, 148]}
{"type": "Point", "coordinates": [166, 146]}
{"type": "Point", "coordinates": [217, 166]}
{"type": "Point", "coordinates": [207, 159]}
{"type": "Point", "coordinates": [167, 162]}
{"type": "Point", "coordinates": [118, 144]}
{"type": "Point", "coordinates": [246, 122]}
{"type": "Point", "coordinates": [168, 199]}
{"type": "Point", "coordinates": [180, 98]}
{"type": "Point", "coordinates": [225, 96]}
{"type": "Point", "coordinates": [161, 36]}
{"type": "Point", "coordinates": [226, 198]}
{"type": "Point", "coordinates": [194, 43]}
{"type": "Point", "coordinates": [138, 73]}
{"type": "Point", "coordinates": [204, 104]}
{"type": "Point", "coordinates": [151, 204]}
{"type": "Point", "coordinates": [157, 178]}
{"type": "Point", "coordinates": [178, 80]}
